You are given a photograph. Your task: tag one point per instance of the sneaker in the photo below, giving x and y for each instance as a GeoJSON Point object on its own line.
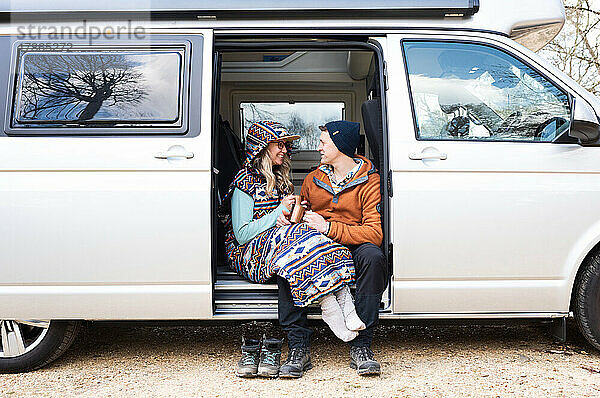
{"type": "Point", "coordinates": [298, 362]}
{"type": "Point", "coordinates": [248, 363]}
{"type": "Point", "coordinates": [361, 359]}
{"type": "Point", "coordinates": [270, 356]}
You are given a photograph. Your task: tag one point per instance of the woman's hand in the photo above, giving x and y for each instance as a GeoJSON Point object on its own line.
{"type": "Point", "coordinates": [316, 221]}
{"type": "Point", "coordinates": [283, 219]}
{"type": "Point", "coordinates": [288, 202]}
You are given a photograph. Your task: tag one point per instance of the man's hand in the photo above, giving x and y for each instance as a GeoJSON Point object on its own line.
{"type": "Point", "coordinates": [314, 220]}
{"type": "Point", "coordinates": [283, 219]}
{"type": "Point", "coordinates": [305, 204]}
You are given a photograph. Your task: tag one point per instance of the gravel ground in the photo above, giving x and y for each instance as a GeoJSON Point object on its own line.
{"type": "Point", "coordinates": [468, 360]}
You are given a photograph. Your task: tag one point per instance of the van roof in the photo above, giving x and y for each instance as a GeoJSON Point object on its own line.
{"type": "Point", "coordinates": [240, 7]}
{"type": "Point", "coordinates": [534, 25]}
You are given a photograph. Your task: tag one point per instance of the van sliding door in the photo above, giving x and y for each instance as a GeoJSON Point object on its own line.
{"type": "Point", "coordinates": [105, 201]}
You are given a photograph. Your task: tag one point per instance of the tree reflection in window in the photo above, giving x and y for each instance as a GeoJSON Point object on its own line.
{"type": "Point", "coordinates": [98, 87]}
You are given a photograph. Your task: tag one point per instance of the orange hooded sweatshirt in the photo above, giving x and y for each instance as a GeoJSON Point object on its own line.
{"type": "Point", "coordinates": [353, 212]}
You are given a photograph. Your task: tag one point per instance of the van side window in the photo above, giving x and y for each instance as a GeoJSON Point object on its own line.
{"type": "Point", "coordinates": [466, 91]}
{"type": "Point", "coordinates": [99, 88]}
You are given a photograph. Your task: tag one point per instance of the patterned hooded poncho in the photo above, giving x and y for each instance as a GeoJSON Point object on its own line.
{"type": "Point", "coordinates": [313, 264]}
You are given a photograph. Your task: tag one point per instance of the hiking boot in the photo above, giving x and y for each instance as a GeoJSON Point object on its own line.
{"type": "Point", "coordinates": [298, 362]}
{"type": "Point", "coordinates": [361, 359]}
{"type": "Point", "coordinates": [270, 356]}
{"type": "Point", "coordinates": [248, 363]}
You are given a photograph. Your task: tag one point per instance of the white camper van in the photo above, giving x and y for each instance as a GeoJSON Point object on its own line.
{"type": "Point", "coordinates": [123, 126]}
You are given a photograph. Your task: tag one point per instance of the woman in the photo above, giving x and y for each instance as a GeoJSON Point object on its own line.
{"type": "Point", "coordinates": [315, 266]}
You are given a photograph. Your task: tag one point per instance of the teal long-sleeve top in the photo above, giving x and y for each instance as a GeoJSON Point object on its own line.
{"type": "Point", "coordinates": [245, 228]}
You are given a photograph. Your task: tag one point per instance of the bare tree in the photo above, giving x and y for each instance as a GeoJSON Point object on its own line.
{"type": "Point", "coordinates": [308, 132]}
{"type": "Point", "coordinates": [74, 87]}
{"type": "Point", "coordinates": [577, 48]}
{"type": "Point", "coordinates": [253, 112]}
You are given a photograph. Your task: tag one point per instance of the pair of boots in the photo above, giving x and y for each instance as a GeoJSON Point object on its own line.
{"type": "Point", "coordinates": [259, 358]}
{"type": "Point", "coordinates": [339, 313]}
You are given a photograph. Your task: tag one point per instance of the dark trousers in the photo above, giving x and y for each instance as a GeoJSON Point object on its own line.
{"type": "Point", "coordinates": [371, 281]}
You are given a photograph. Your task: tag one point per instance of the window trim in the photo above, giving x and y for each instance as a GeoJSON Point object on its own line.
{"type": "Point", "coordinates": [131, 123]}
{"type": "Point", "coordinates": [471, 41]}
{"type": "Point", "coordinates": [187, 84]}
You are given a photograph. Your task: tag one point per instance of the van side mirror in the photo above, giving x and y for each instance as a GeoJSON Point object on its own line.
{"type": "Point", "coordinates": [584, 122]}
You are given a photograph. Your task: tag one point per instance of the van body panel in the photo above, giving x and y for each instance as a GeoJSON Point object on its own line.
{"type": "Point", "coordinates": [479, 296]}
{"type": "Point", "coordinates": [107, 301]}
{"type": "Point", "coordinates": [95, 227]}
{"type": "Point", "coordinates": [103, 227]}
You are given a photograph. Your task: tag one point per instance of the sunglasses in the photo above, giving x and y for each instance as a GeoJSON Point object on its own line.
{"type": "Point", "coordinates": [284, 144]}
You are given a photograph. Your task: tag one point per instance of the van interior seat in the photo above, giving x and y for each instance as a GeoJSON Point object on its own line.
{"type": "Point", "coordinates": [230, 161]}
{"type": "Point", "coordinates": [231, 155]}
{"type": "Point", "coordinates": [371, 114]}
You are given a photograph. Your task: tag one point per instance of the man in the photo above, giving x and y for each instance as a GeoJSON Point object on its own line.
{"type": "Point", "coordinates": [344, 200]}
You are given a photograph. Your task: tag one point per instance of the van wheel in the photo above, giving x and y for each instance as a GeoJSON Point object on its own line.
{"type": "Point", "coordinates": [30, 344]}
{"type": "Point", "coordinates": [586, 301]}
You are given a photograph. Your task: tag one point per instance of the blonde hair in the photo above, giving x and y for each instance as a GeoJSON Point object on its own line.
{"type": "Point", "coordinates": [277, 176]}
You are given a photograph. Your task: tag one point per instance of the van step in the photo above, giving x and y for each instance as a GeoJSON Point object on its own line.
{"type": "Point", "coordinates": [242, 304]}
{"type": "Point", "coordinates": [254, 306]}
{"type": "Point", "coordinates": [229, 284]}
{"type": "Point", "coordinates": [224, 272]}
{"type": "Point", "coordinates": [235, 296]}
{"type": "Point", "coordinates": [227, 279]}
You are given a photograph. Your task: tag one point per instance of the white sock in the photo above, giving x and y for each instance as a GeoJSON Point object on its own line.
{"type": "Point", "coordinates": [344, 298]}
{"type": "Point", "coordinates": [333, 316]}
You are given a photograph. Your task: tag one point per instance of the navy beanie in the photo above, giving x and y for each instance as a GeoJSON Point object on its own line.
{"type": "Point", "coordinates": [345, 135]}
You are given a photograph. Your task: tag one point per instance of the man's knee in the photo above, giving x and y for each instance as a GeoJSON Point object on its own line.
{"type": "Point", "coordinates": [369, 258]}
{"type": "Point", "coordinates": [371, 269]}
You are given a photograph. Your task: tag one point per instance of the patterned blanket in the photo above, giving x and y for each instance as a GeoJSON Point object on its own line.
{"type": "Point", "coordinates": [313, 264]}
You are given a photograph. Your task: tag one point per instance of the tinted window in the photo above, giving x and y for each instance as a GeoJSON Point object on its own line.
{"type": "Point", "coordinates": [471, 91]}
{"type": "Point", "coordinates": [109, 87]}
{"type": "Point", "coordinates": [302, 118]}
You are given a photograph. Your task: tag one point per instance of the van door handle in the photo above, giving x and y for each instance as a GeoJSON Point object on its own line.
{"type": "Point", "coordinates": [174, 152]}
{"type": "Point", "coordinates": [162, 155]}
{"type": "Point", "coordinates": [429, 153]}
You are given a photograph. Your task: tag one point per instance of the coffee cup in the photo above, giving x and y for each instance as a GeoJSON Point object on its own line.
{"type": "Point", "coordinates": [297, 210]}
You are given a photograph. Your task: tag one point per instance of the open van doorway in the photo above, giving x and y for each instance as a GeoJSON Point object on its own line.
{"type": "Point", "coordinates": [302, 85]}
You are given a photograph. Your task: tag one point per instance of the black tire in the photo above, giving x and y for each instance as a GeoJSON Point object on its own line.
{"type": "Point", "coordinates": [586, 300]}
{"type": "Point", "coordinates": [58, 338]}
